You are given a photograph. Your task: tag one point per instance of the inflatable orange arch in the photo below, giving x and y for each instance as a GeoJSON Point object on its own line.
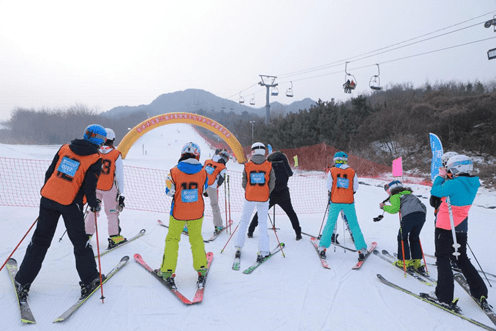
{"type": "Point", "coordinates": [189, 118]}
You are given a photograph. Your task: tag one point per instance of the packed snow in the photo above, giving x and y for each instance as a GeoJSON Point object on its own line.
{"type": "Point", "coordinates": [290, 292]}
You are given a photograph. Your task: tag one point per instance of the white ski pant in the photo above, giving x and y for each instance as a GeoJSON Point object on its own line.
{"type": "Point", "coordinates": [262, 210]}
{"type": "Point", "coordinates": [110, 202]}
{"type": "Point", "coordinates": [214, 204]}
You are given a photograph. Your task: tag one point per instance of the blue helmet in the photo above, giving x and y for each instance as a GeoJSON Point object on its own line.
{"type": "Point", "coordinates": [340, 157]}
{"type": "Point", "coordinates": [95, 134]}
{"type": "Point", "coordinates": [394, 184]}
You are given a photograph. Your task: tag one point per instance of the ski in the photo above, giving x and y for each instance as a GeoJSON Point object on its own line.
{"type": "Point", "coordinates": [460, 279]}
{"type": "Point", "coordinates": [141, 233]}
{"type": "Point", "coordinates": [385, 257]}
{"type": "Point", "coordinates": [215, 235]}
{"type": "Point", "coordinates": [184, 232]}
{"type": "Point", "coordinates": [201, 286]}
{"type": "Point", "coordinates": [322, 260]}
{"type": "Point", "coordinates": [369, 250]}
{"type": "Point", "coordinates": [434, 303]}
{"type": "Point", "coordinates": [236, 263]}
{"type": "Point", "coordinates": [423, 274]}
{"type": "Point", "coordinates": [332, 243]}
{"type": "Point", "coordinates": [257, 264]}
{"type": "Point", "coordinates": [26, 314]}
{"type": "Point", "coordinates": [78, 303]}
{"type": "Point", "coordinates": [178, 294]}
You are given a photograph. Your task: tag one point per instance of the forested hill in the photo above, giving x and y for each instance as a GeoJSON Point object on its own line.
{"type": "Point", "coordinates": [380, 127]}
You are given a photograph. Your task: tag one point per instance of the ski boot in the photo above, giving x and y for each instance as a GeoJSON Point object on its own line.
{"type": "Point", "coordinates": [115, 241]}
{"type": "Point", "coordinates": [168, 277]}
{"type": "Point", "coordinates": [22, 292]}
{"type": "Point", "coordinates": [87, 289]}
{"type": "Point", "coordinates": [262, 256]}
{"type": "Point", "coordinates": [322, 252]}
{"type": "Point", "coordinates": [218, 229]}
{"type": "Point", "coordinates": [202, 273]}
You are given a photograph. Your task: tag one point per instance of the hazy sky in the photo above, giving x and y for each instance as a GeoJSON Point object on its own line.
{"type": "Point", "coordinates": [103, 54]}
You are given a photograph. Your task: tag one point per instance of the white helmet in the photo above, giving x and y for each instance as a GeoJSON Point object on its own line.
{"type": "Point", "coordinates": [460, 164]}
{"type": "Point", "coordinates": [110, 134]}
{"type": "Point", "coordinates": [258, 149]}
{"type": "Point", "coordinates": [191, 148]}
{"type": "Point", "coordinates": [446, 156]}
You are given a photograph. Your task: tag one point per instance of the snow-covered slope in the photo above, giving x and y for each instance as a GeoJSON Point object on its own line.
{"type": "Point", "coordinates": [286, 293]}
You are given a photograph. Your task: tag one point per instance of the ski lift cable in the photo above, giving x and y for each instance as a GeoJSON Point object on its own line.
{"type": "Point", "coordinates": [393, 60]}
{"type": "Point", "coordinates": [376, 52]}
{"type": "Point", "coordinates": [426, 34]}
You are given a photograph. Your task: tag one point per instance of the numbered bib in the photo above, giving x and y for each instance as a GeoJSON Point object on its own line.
{"type": "Point", "coordinates": [189, 195]}
{"type": "Point", "coordinates": [342, 182]}
{"type": "Point", "coordinates": [68, 166]}
{"type": "Point", "coordinates": [257, 178]}
{"type": "Point", "coordinates": [209, 170]}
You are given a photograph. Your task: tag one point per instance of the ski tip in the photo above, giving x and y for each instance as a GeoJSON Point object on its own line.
{"type": "Point", "coordinates": [125, 258]}
{"type": "Point", "coordinates": [137, 256]}
{"type": "Point", "coordinates": [376, 252]}
{"type": "Point", "coordinates": [142, 231]}
{"type": "Point", "coordinates": [25, 321]}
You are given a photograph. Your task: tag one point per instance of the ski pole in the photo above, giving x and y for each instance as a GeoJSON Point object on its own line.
{"type": "Point", "coordinates": [275, 232]}
{"type": "Point", "coordinates": [479, 264]}
{"type": "Point", "coordinates": [423, 256]}
{"type": "Point", "coordinates": [225, 201]}
{"type": "Point", "coordinates": [229, 200]}
{"type": "Point", "coordinates": [99, 261]}
{"type": "Point", "coordinates": [402, 245]}
{"type": "Point", "coordinates": [325, 213]}
{"type": "Point", "coordinates": [18, 244]}
{"type": "Point", "coordinates": [455, 244]}
{"type": "Point", "coordinates": [232, 234]}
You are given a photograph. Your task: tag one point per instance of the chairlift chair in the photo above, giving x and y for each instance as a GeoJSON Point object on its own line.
{"type": "Point", "coordinates": [252, 100]}
{"type": "Point", "coordinates": [289, 91]}
{"type": "Point", "coordinates": [375, 81]}
{"type": "Point", "coordinates": [350, 82]}
{"type": "Point", "coordinates": [241, 99]}
{"type": "Point", "coordinates": [274, 91]}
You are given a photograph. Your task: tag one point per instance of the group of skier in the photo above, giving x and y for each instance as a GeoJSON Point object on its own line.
{"type": "Point", "coordinates": [91, 168]}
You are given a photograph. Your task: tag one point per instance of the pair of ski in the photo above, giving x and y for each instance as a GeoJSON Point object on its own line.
{"type": "Point", "coordinates": [26, 314]}
{"type": "Point", "coordinates": [214, 236]}
{"type": "Point", "coordinates": [357, 266]}
{"type": "Point", "coordinates": [237, 260]}
{"type": "Point", "coordinates": [200, 287]}
{"type": "Point", "coordinates": [429, 281]}
{"type": "Point", "coordinates": [425, 297]}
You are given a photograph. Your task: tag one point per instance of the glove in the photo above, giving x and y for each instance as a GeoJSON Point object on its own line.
{"type": "Point", "coordinates": [442, 172]}
{"type": "Point", "coordinates": [205, 194]}
{"type": "Point", "coordinates": [97, 208]}
{"type": "Point", "coordinates": [381, 205]}
{"type": "Point", "coordinates": [121, 205]}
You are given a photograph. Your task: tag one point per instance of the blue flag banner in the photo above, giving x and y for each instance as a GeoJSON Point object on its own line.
{"type": "Point", "coordinates": [269, 148]}
{"type": "Point", "coordinates": [437, 153]}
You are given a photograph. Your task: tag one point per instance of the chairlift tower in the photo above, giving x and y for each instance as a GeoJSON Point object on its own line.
{"type": "Point", "coordinates": [268, 82]}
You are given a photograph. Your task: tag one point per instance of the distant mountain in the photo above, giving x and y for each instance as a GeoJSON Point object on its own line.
{"type": "Point", "coordinates": [194, 100]}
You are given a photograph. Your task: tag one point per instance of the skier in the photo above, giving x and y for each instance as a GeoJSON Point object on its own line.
{"type": "Point", "coordinates": [216, 170]}
{"type": "Point", "coordinates": [72, 174]}
{"type": "Point", "coordinates": [258, 182]}
{"type": "Point", "coordinates": [185, 184]}
{"type": "Point", "coordinates": [412, 218]}
{"type": "Point", "coordinates": [342, 184]}
{"type": "Point", "coordinates": [280, 194]}
{"type": "Point", "coordinates": [110, 190]}
{"type": "Point", "coordinates": [461, 191]}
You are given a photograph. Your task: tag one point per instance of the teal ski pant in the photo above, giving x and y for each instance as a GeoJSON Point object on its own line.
{"type": "Point", "coordinates": [349, 211]}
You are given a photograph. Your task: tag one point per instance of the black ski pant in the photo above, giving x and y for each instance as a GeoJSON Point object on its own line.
{"type": "Point", "coordinates": [50, 212]}
{"type": "Point", "coordinates": [288, 209]}
{"type": "Point", "coordinates": [444, 252]}
{"type": "Point", "coordinates": [409, 236]}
